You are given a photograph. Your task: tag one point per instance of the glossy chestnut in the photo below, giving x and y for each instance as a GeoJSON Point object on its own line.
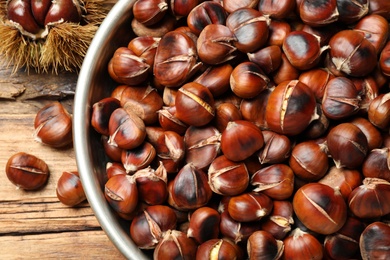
{"type": "Point", "coordinates": [69, 189]}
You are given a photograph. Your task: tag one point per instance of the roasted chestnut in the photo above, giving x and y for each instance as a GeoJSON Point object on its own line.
{"type": "Point", "coordinates": [69, 189]}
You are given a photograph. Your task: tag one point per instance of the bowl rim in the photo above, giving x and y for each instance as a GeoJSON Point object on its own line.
{"type": "Point", "coordinates": [81, 136]}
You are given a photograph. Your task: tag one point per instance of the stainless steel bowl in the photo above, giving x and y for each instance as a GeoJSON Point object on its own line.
{"type": "Point", "coordinates": [94, 84]}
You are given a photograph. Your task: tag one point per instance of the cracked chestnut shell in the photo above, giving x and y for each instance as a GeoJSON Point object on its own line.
{"type": "Point", "coordinates": [27, 171]}
{"type": "Point", "coordinates": [69, 189]}
{"type": "Point", "coordinates": [291, 107]}
{"type": "Point", "coordinates": [320, 208]}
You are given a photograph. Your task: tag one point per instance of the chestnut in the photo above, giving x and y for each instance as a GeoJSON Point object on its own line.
{"type": "Point", "coordinates": [275, 181]}
{"type": "Point", "coordinates": [194, 99]}
{"type": "Point", "coordinates": [377, 164]}
{"type": "Point", "coordinates": [369, 89]}
{"type": "Point", "coordinates": [318, 127]}
{"type": "Point", "coordinates": [302, 49]}
{"type": "Point", "coordinates": [249, 27]}
{"type": "Point", "coordinates": [152, 185]}
{"type": "Point", "coordinates": [165, 25]}
{"type": "Point", "coordinates": [149, 12]}
{"type": "Point", "coordinates": [316, 13]}
{"type": "Point", "coordinates": [347, 145]}
{"type": "Point", "coordinates": [231, 5]}
{"type": "Point", "coordinates": [302, 245]}
{"type": "Point", "coordinates": [373, 135]}
{"type": "Point", "coordinates": [268, 58]}
{"type": "Point", "coordinates": [114, 168]}
{"type": "Point", "coordinates": [291, 107]}
{"type": "Point", "coordinates": [374, 241]}
{"type": "Point", "coordinates": [20, 13]}
{"type": "Point", "coordinates": [351, 11]}
{"type": "Point", "coordinates": [53, 125]}
{"type": "Point", "coordinates": [169, 122]}
{"type": "Point", "coordinates": [182, 8]}
{"type": "Point", "coordinates": [226, 177]}
{"type": "Point", "coordinates": [278, 30]}
{"type": "Point", "coordinates": [240, 140]}
{"type": "Point", "coordinates": [285, 72]}
{"type": "Point", "coordinates": [309, 160]}
{"type": "Point", "coordinates": [175, 244]}
{"type": "Point", "coordinates": [215, 44]}
{"type": "Point", "coordinates": [276, 149]}
{"type": "Point", "coordinates": [202, 145]}
{"type": "Point", "coordinates": [320, 208]}
{"type": "Point", "coordinates": [247, 80]}
{"type": "Point", "coordinates": [352, 54]}
{"type": "Point", "coordinates": [127, 130]}
{"type": "Point", "coordinates": [69, 189]}
{"type": "Point", "coordinates": [138, 158]}
{"type": "Point", "coordinates": [378, 111]}
{"type": "Point", "coordinates": [277, 10]}
{"type": "Point", "coordinates": [148, 227]}
{"type": "Point", "coordinates": [204, 224]}
{"type": "Point", "coordinates": [341, 99]}
{"type": "Point", "coordinates": [370, 200]}
{"type": "Point", "coordinates": [256, 205]}
{"type": "Point", "coordinates": [209, 12]}
{"type": "Point", "coordinates": [61, 11]}
{"type": "Point", "coordinates": [121, 193]}
{"type": "Point", "coordinates": [101, 112]}
{"type": "Point", "coordinates": [222, 248]}
{"type": "Point", "coordinates": [262, 245]}
{"type": "Point", "coordinates": [189, 189]}
{"type": "Point", "coordinates": [127, 68]}
{"type": "Point", "coordinates": [113, 152]}
{"type": "Point", "coordinates": [176, 59]}
{"type": "Point", "coordinates": [27, 171]}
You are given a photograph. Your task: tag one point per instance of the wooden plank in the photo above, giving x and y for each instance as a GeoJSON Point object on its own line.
{"type": "Point", "coordinates": [66, 245]}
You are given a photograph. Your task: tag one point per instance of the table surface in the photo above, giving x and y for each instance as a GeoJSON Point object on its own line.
{"type": "Point", "coordinates": [34, 224]}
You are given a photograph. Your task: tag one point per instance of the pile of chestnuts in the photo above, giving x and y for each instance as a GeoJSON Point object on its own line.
{"type": "Point", "coordinates": [252, 129]}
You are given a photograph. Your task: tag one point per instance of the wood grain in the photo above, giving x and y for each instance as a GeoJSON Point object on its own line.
{"type": "Point", "coordinates": [34, 224]}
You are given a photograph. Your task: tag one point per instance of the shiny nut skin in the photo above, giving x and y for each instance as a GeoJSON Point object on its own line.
{"type": "Point", "coordinates": [276, 10]}
{"type": "Point", "coordinates": [275, 181]}
{"type": "Point", "coordinates": [276, 149]}
{"type": "Point", "coordinates": [225, 113]}
{"type": "Point", "coordinates": [215, 44]}
{"type": "Point", "coordinates": [320, 208]}
{"type": "Point", "coordinates": [216, 79]}
{"type": "Point", "coordinates": [240, 140]}
{"type": "Point", "coordinates": [101, 112]}
{"type": "Point", "coordinates": [318, 13]}
{"type": "Point", "coordinates": [126, 129]}
{"type": "Point", "coordinates": [204, 224]}
{"type": "Point", "coordinates": [152, 185]}
{"type": "Point", "coordinates": [27, 171]}
{"type": "Point", "coordinates": [316, 79]}
{"type": "Point", "coordinates": [347, 145]}
{"type": "Point", "coordinates": [149, 12]}
{"type": "Point", "coordinates": [372, 133]}
{"type": "Point", "coordinates": [350, 12]}
{"type": "Point", "coordinates": [208, 12]}
{"type": "Point", "coordinates": [352, 54]}
{"type": "Point", "coordinates": [148, 227]}
{"type": "Point", "coordinates": [377, 164]}
{"type": "Point", "coordinates": [302, 245]}
{"type": "Point", "coordinates": [121, 193]}
{"type": "Point", "coordinates": [268, 58]}
{"type": "Point", "coordinates": [379, 110]}
{"type": "Point", "coordinates": [375, 29]}
{"type": "Point", "coordinates": [280, 221]}
{"type": "Point", "coordinates": [256, 205]}
{"type": "Point", "coordinates": [138, 158]}
{"type": "Point", "coordinates": [226, 177]}
{"type": "Point", "coordinates": [69, 189]}
{"type": "Point", "coordinates": [53, 125]}
{"type": "Point", "coordinates": [262, 245]}
{"type": "Point", "coordinates": [290, 102]}
{"type": "Point", "coordinates": [175, 60]}
{"type": "Point", "coordinates": [20, 13]}
{"type": "Point", "coordinates": [222, 248]}
{"type": "Point", "coordinates": [175, 245]}
{"type": "Point", "coordinates": [370, 199]}
{"type": "Point", "coordinates": [374, 241]}
{"type": "Point", "coordinates": [194, 99]}
{"type": "Point", "coordinates": [253, 110]}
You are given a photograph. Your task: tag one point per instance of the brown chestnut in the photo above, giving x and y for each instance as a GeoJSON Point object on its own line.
{"type": "Point", "coordinates": [175, 60]}
{"type": "Point", "coordinates": [268, 58]}
{"type": "Point", "coordinates": [225, 113]}
{"type": "Point", "coordinates": [121, 193]}
{"type": "Point", "coordinates": [375, 29]}
{"type": "Point", "coordinates": [291, 107]}
{"type": "Point", "coordinates": [240, 140]}
{"type": "Point", "coordinates": [231, 5]}
{"type": "Point", "coordinates": [138, 158]}
{"type": "Point", "coordinates": [247, 80]}
{"type": "Point", "coordinates": [175, 244]}
{"type": "Point", "coordinates": [351, 11]}
{"type": "Point", "coordinates": [277, 10]}
{"type": "Point", "coordinates": [316, 13]}
{"type": "Point", "coordinates": [276, 149]}
{"type": "Point", "coordinates": [302, 245]}
{"type": "Point", "coordinates": [53, 125]}
{"type": "Point", "coordinates": [378, 111]}
{"type": "Point", "coordinates": [316, 79]}
{"type": "Point", "coordinates": [101, 112]}
{"type": "Point", "coordinates": [27, 171]}
{"type": "Point", "coordinates": [320, 208]}
{"type": "Point", "coordinates": [377, 164]}
{"type": "Point", "coordinates": [194, 99]}
{"type": "Point", "coordinates": [150, 12]}
{"type": "Point", "coordinates": [347, 145]}
{"type": "Point", "coordinates": [69, 189]}
{"type": "Point", "coordinates": [375, 241]}
{"type": "Point", "coordinates": [262, 245]}
{"type": "Point", "coordinates": [256, 205]}
{"type": "Point", "coordinates": [216, 78]}
{"type": "Point", "coordinates": [280, 221]}
{"type": "Point", "coordinates": [204, 224]}
{"type": "Point", "coordinates": [373, 135]}
{"type": "Point", "coordinates": [222, 248]}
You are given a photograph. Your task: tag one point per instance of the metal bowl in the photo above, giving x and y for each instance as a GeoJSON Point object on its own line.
{"type": "Point", "coordinates": [94, 84]}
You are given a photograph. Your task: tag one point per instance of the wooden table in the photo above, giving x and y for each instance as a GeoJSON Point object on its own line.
{"type": "Point", "coordinates": [34, 224]}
